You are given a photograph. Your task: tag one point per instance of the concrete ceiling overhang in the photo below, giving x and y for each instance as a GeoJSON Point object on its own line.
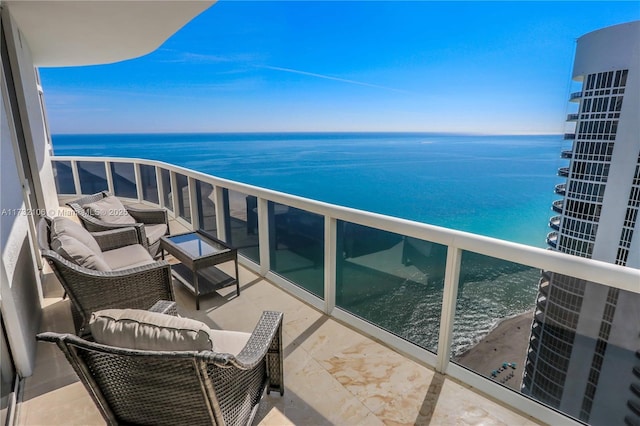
{"type": "Point", "coordinates": [88, 32]}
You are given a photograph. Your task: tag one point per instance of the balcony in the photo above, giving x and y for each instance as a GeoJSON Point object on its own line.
{"type": "Point", "coordinates": [566, 154]}
{"type": "Point", "coordinates": [563, 172]}
{"type": "Point", "coordinates": [352, 287]}
{"type": "Point", "coordinates": [552, 239]}
{"type": "Point", "coordinates": [569, 136]}
{"type": "Point", "coordinates": [561, 189]}
{"type": "Point", "coordinates": [557, 206]}
{"type": "Point", "coordinates": [573, 117]}
{"type": "Point", "coordinates": [575, 97]}
{"type": "Point", "coordinates": [554, 222]}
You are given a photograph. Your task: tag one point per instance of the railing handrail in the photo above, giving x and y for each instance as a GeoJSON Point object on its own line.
{"type": "Point", "coordinates": [617, 276]}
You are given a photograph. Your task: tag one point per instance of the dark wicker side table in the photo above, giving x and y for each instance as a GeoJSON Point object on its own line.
{"type": "Point", "coordinates": [198, 254]}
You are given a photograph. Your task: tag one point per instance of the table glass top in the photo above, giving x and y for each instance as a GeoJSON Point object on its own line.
{"type": "Point", "coordinates": [196, 246]}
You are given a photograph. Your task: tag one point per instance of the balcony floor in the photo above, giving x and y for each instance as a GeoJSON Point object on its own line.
{"type": "Point", "coordinates": [333, 374]}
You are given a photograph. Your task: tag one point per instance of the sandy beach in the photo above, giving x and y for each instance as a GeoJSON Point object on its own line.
{"type": "Point", "coordinates": [506, 343]}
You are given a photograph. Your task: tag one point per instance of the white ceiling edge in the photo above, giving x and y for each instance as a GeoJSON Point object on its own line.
{"type": "Point", "coordinates": [70, 33]}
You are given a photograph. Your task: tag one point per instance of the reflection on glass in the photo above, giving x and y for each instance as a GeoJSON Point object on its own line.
{"type": "Point", "coordinates": [241, 217]}
{"type": "Point", "coordinates": [392, 281]}
{"type": "Point", "coordinates": [564, 341]}
{"type": "Point", "coordinates": [494, 293]}
{"type": "Point", "coordinates": [149, 183]}
{"type": "Point", "coordinates": [297, 246]}
{"type": "Point", "coordinates": [124, 180]}
{"type": "Point", "coordinates": [64, 177]}
{"type": "Point", "coordinates": [165, 175]}
{"type": "Point", "coordinates": [184, 207]}
{"type": "Point", "coordinates": [206, 208]}
{"type": "Point", "coordinates": [196, 245]}
{"type": "Point", "coordinates": [93, 177]}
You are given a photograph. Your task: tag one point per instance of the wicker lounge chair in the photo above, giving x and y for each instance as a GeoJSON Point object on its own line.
{"type": "Point", "coordinates": [138, 287]}
{"type": "Point", "coordinates": [151, 224]}
{"type": "Point", "coordinates": [131, 386]}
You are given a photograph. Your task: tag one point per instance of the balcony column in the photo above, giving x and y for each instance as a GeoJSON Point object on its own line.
{"type": "Point", "coordinates": [449, 299]}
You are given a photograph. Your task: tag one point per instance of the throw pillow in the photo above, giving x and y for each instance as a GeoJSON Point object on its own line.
{"type": "Point", "coordinates": [109, 210]}
{"type": "Point", "coordinates": [144, 330]}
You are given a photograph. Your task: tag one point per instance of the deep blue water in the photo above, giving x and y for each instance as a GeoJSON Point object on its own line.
{"type": "Point", "coordinates": [499, 186]}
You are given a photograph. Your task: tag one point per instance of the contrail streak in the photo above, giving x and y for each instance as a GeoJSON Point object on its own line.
{"type": "Point", "coordinates": [328, 77]}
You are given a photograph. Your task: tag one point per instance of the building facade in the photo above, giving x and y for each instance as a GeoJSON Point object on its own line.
{"type": "Point", "coordinates": [584, 350]}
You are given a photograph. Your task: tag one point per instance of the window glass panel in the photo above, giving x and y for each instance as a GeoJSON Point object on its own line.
{"type": "Point", "coordinates": [206, 208]}
{"type": "Point", "coordinates": [64, 177]}
{"type": "Point", "coordinates": [93, 177]}
{"type": "Point", "coordinates": [124, 180]}
{"type": "Point", "coordinates": [149, 183]}
{"type": "Point", "coordinates": [165, 175]}
{"type": "Point", "coordinates": [297, 246]}
{"type": "Point", "coordinates": [392, 281]}
{"type": "Point", "coordinates": [241, 217]}
{"type": "Point", "coordinates": [184, 207]}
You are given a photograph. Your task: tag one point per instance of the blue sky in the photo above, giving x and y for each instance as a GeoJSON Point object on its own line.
{"type": "Point", "coordinates": [471, 67]}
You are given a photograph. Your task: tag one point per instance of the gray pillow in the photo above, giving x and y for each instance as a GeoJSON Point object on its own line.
{"type": "Point", "coordinates": [64, 226]}
{"type": "Point", "coordinates": [76, 244]}
{"type": "Point", "coordinates": [109, 210]}
{"type": "Point", "coordinates": [153, 331]}
{"type": "Point", "coordinates": [78, 253]}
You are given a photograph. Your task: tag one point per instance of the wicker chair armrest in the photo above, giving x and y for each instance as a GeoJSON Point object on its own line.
{"type": "Point", "coordinates": [267, 329]}
{"type": "Point", "coordinates": [116, 238]}
{"type": "Point", "coordinates": [148, 216]}
{"type": "Point", "coordinates": [167, 307]}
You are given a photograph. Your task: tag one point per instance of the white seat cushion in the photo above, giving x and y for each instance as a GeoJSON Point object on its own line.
{"type": "Point", "coordinates": [153, 331]}
{"type": "Point", "coordinates": [127, 257]}
{"type": "Point", "coordinates": [154, 232]}
{"type": "Point", "coordinates": [109, 210]}
{"type": "Point", "coordinates": [229, 342]}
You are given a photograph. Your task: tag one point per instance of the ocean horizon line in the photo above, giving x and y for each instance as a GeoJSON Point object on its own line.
{"type": "Point", "coordinates": [310, 132]}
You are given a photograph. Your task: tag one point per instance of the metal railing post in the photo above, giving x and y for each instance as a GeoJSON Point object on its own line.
{"type": "Point", "coordinates": [107, 171]}
{"type": "Point", "coordinates": [76, 177]}
{"type": "Point", "coordinates": [263, 236]}
{"type": "Point", "coordinates": [449, 299]}
{"type": "Point", "coordinates": [193, 204]}
{"type": "Point", "coordinates": [330, 250]}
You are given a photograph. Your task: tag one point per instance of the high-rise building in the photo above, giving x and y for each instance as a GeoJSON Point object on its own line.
{"type": "Point", "coordinates": [584, 350]}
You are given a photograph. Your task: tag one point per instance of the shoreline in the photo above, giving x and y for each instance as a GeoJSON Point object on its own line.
{"type": "Point", "coordinates": [506, 343]}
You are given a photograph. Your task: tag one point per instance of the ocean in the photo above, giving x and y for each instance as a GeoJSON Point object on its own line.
{"type": "Point", "coordinates": [497, 186]}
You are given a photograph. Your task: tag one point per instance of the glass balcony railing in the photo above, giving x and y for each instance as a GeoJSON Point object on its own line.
{"type": "Point", "coordinates": [563, 172]}
{"type": "Point", "coordinates": [561, 189]}
{"type": "Point", "coordinates": [575, 97]}
{"type": "Point", "coordinates": [557, 206]}
{"type": "Point", "coordinates": [569, 136]}
{"type": "Point", "coordinates": [554, 222]}
{"type": "Point", "coordinates": [573, 117]}
{"type": "Point", "coordinates": [437, 295]}
{"type": "Point", "coordinates": [566, 154]}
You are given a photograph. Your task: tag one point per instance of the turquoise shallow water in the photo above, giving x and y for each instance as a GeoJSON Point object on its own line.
{"type": "Point", "coordinates": [498, 186]}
